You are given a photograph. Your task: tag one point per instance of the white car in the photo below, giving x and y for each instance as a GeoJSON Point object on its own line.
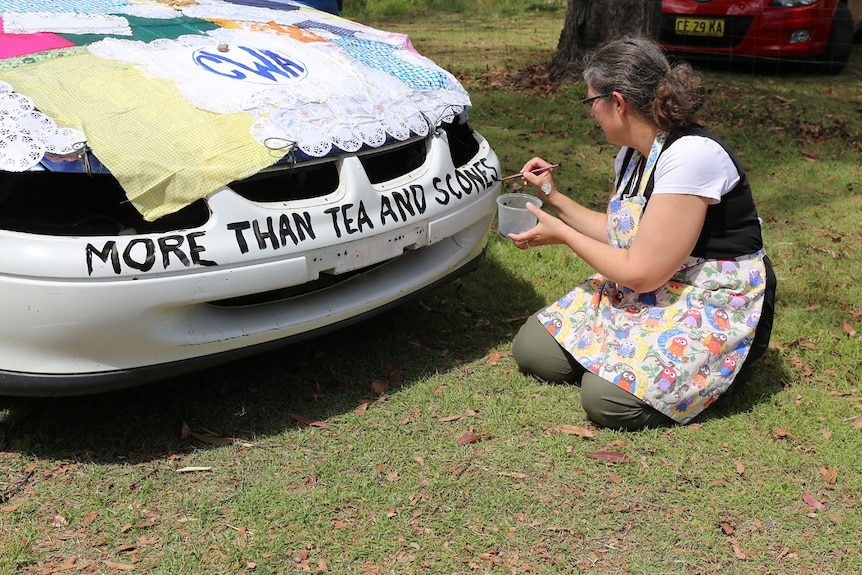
{"type": "Point", "coordinates": [184, 186]}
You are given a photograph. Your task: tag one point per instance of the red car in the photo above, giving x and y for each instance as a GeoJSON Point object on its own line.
{"type": "Point", "coordinates": [820, 30]}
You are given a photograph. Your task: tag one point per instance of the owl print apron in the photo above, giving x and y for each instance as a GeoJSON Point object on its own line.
{"type": "Point", "coordinates": [677, 348]}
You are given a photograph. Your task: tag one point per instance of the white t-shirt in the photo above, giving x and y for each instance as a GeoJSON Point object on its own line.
{"type": "Point", "coordinates": [692, 165]}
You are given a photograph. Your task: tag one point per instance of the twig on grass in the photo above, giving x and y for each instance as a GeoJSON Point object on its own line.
{"type": "Point", "coordinates": [11, 491]}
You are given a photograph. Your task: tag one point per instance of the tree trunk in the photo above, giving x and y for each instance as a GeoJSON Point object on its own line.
{"type": "Point", "coordinates": [592, 22]}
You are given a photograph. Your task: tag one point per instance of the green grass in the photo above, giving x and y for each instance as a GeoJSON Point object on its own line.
{"type": "Point", "coordinates": [381, 483]}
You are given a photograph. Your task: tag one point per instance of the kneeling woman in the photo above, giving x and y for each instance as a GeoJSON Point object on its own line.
{"type": "Point", "coordinates": [682, 298]}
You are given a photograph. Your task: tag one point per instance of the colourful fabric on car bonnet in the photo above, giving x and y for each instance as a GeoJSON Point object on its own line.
{"type": "Point", "coordinates": [177, 103]}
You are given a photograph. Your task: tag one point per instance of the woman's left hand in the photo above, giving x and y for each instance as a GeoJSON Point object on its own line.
{"type": "Point", "coordinates": [549, 230]}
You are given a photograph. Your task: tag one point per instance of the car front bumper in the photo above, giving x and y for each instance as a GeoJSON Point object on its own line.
{"type": "Point", "coordinates": [92, 314]}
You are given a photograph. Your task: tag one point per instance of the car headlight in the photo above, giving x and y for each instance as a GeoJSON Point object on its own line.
{"type": "Point", "coordinates": [792, 3]}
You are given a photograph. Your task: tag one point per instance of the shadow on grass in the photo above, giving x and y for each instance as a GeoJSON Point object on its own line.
{"type": "Point", "coordinates": [763, 379]}
{"type": "Point", "coordinates": [259, 397]}
{"type": "Point", "coordinates": [256, 397]}
{"type": "Point", "coordinates": [778, 67]}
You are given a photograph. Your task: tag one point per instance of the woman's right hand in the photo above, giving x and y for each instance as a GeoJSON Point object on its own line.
{"type": "Point", "coordinates": [539, 180]}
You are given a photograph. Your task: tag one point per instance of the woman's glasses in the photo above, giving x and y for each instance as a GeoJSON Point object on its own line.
{"type": "Point", "coordinates": [588, 102]}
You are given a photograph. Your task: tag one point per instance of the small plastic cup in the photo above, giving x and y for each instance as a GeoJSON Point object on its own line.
{"type": "Point", "coordinates": [512, 214]}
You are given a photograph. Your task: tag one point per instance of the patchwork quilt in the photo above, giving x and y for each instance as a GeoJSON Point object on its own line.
{"type": "Point", "coordinates": [178, 98]}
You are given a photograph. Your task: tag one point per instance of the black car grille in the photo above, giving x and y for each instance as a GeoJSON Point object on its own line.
{"type": "Point", "coordinates": [463, 145]}
{"type": "Point", "coordinates": [387, 165]}
{"type": "Point", "coordinates": [81, 204]}
{"type": "Point", "coordinates": [313, 180]}
{"type": "Point", "coordinates": [735, 29]}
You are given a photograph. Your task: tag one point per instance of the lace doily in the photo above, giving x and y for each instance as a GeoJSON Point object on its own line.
{"type": "Point", "coordinates": [26, 134]}
{"type": "Point", "coordinates": [19, 152]}
{"type": "Point", "coordinates": [65, 23]}
{"type": "Point", "coordinates": [150, 11]}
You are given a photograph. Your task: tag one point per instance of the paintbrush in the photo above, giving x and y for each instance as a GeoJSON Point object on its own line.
{"type": "Point", "coordinates": [533, 171]}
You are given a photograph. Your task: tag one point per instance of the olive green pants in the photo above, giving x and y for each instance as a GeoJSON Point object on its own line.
{"type": "Point", "coordinates": [538, 354]}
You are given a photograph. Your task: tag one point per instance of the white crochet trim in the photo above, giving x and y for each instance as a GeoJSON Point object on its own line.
{"type": "Point", "coordinates": [338, 102]}
{"type": "Point", "coordinates": [150, 11]}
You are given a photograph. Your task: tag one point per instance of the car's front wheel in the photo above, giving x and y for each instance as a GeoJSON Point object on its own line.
{"type": "Point", "coordinates": [840, 41]}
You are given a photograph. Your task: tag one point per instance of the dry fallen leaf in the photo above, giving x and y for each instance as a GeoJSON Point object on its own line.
{"type": "Point", "coordinates": [726, 527]}
{"type": "Point", "coordinates": [801, 365]}
{"type": "Point", "coordinates": [614, 456]}
{"type": "Point", "coordinates": [469, 438]}
{"type": "Point", "coordinates": [119, 566]}
{"type": "Point", "coordinates": [379, 385]}
{"type": "Point", "coordinates": [307, 421]}
{"type": "Point", "coordinates": [515, 475]}
{"type": "Point", "coordinates": [212, 439]}
{"type": "Point", "coordinates": [449, 418]}
{"type": "Point", "coordinates": [849, 329]}
{"type": "Point", "coordinates": [70, 564]}
{"type": "Point", "coordinates": [557, 528]}
{"type": "Point", "coordinates": [781, 433]}
{"type": "Point", "coordinates": [575, 430]}
{"type": "Point", "coordinates": [740, 468]}
{"type": "Point", "coordinates": [737, 550]}
{"type": "Point", "coordinates": [89, 518]}
{"type": "Point", "coordinates": [204, 436]}
{"type": "Point", "coordinates": [813, 502]}
{"type": "Point", "coordinates": [829, 474]}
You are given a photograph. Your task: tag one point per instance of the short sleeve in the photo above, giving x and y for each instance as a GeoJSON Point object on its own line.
{"type": "Point", "coordinates": [697, 166]}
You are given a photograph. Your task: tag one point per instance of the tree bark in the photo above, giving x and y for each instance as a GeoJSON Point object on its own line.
{"type": "Point", "coordinates": [592, 22]}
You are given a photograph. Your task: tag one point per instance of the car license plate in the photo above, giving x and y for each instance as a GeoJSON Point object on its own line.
{"type": "Point", "coordinates": [700, 26]}
{"type": "Point", "coordinates": [370, 251]}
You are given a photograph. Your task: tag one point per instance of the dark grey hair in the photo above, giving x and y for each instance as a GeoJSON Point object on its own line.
{"type": "Point", "coordinates": [669, 96]}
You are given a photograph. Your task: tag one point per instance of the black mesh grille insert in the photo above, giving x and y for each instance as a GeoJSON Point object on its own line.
{"type": "Point", "coordinates": [77, 204]}
{"type": "Point", "coordinates": [462, 143]}
{"type": "Point", "coordinates": [285, 183]}
{"type": "Point", "coordinates": [389, 164]}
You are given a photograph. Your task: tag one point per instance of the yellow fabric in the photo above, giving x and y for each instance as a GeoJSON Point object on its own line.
{"type": "Point", "coordinates": [164, 152]}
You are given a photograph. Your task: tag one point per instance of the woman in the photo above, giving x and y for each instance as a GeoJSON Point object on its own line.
{"type": "Point", "coordinates": [683, 293]}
